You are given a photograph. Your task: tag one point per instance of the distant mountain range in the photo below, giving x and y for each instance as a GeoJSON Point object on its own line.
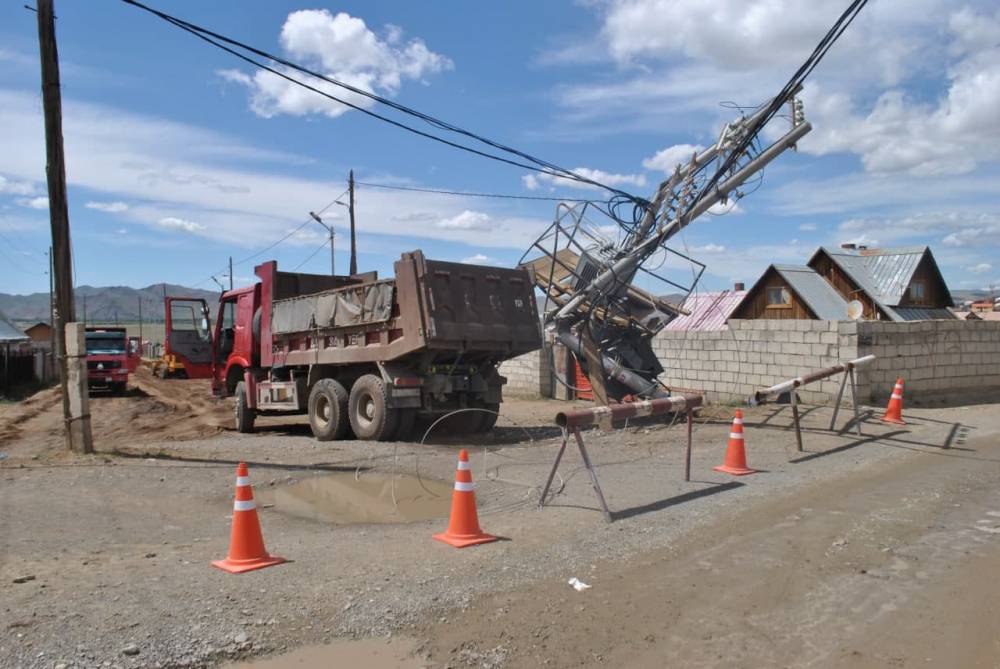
{"type": "Point", "coordinates": [104, 305]}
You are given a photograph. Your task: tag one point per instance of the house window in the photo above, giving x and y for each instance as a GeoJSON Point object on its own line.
{"type": "Point", "coordinates": [778, 296]}
{"type": "Point", "coordinates": [917, 291]}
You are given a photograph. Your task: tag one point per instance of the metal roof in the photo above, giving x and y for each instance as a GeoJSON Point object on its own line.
{"type": "Point", "coordinates": [815, 291]}
{"type": "Point", "coordinates": [10, 332]}
{"type": "Point", "coordinates": [924, 314]}
{"type": "Point", "coordinates": [884, 274]}
{"type": "Point", "coordinates": [708, 311]}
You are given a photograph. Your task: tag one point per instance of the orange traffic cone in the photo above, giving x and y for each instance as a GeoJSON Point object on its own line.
{"type": "Point", "coordinates": [246, 544]}
{"type": "Point", "coordinates": [894, 412]}
{"type": "Point", "coordinates": [463, 527]}
{"type": "Point", "coordinates": [736, 456]}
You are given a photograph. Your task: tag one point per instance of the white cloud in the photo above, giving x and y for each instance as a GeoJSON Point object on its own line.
{"type": "Point", "coordinates": [902, 133]}
{"type": "Point", "coordinates": [807, 227]}
{"type": "Point", "coordinates": [955, 228]}
{"type": "Point", "coordinates": [165, 169]}
{"type": "Point", "coordinates": [668, 159]}
{"type": "Point", "coordinates": [981, 268]}
{"type": "Point", "coordinates": [110, 207]}
{"type": "Point", "coordinates": [467, 220]}
{"type": "Point", "coordinates": [342, 47]}
{"type": "Point", "coordinates": [738, 34]}
{"type": "Point", "coordinates": [727, 207]}
{"type": "Point", "coordinates": [480, 259]}
{"type": "Point", "coordinates": [9, 187]}
{"type": "Point", "coordinates": [536, 181]}
{"type": "Point", "coordinates": [180, 224]}
{"type": "Point", "coordinates": [41, 202]}
{"type": "Point", "coordinates": [709, 248]}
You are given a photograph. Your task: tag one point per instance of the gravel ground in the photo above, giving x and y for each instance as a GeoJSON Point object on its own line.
{"type": "Point", "coordinates": [104, 559]}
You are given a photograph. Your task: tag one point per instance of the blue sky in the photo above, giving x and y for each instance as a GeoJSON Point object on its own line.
{"type": "Point", "coordinates": [178, 156]}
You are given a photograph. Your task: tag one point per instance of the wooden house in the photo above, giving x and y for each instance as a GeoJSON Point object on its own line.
{"type": "Point", "coordinates": [896, 284]}
{"type": "Point", "coordinates": [791, 292]}
{"type": "Point", "coordinates": [901, 284]}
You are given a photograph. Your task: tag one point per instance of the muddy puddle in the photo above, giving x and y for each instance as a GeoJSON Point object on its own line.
{"type": "Point", "coordinates": [370, 498]}
{"type": "Point", "coordinates": [366, 653]}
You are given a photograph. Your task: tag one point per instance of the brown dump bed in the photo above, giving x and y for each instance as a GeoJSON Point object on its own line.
{"type": "Point", "coordinates": [430, 304]}
{"type": "Point", "coordinates": [475, 307]}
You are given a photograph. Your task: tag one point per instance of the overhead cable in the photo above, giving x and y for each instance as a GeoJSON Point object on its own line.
{"type": "Point", "coordinates": [221, 41]}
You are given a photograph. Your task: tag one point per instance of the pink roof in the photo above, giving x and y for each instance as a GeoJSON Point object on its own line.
{"type": "Point", "coordinates": [709, 311]}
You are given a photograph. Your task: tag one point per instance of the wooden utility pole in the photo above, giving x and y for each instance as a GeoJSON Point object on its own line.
{"type": "Point", "coordinates": [350, 208]}
{"type": "Point", "coordinates": [140, 324]}
{"type": "Point", "coordinates": [230, 272]}
{"type": "Point", "coordinates": [76, 408]}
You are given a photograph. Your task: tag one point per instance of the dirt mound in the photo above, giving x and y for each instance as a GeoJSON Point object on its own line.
{"type": "Point", "coordinates": [152, 410]}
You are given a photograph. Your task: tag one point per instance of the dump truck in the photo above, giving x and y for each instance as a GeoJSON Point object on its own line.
{"type": "Point", "coordinates": [367, 356]}
{"type": "Point", "coordinates": [107, 359]}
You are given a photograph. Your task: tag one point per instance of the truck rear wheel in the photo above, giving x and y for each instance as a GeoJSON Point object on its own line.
{"type": "Point", "coordinates": [369, 411]}
{"type": "Point", "coordinates": [328, 410]}
{"type": "Point", "coordinates": [244, 414]}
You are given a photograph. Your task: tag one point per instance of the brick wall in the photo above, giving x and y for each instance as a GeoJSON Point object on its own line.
{"type": "Point", "coordinates": [729, 365]}
{"type": "Point", "coordinates": [528, 375]}
{"type": "Point", "coordinates": [941, 361]}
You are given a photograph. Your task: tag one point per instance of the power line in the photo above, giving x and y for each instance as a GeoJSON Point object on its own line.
{"type": "Point", "coordinates": [465, 194]}
{"type": "Point", "coordinates": [311, 255]}
{"type": "Point", "coordinates": [219, 41]}
{"type": "Point", "coordinates": [270, 246]}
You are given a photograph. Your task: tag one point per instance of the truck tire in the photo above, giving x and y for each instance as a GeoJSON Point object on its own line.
{"type": "Point", "coordinates": [244, 414]}
{"type": "Point", "coordinates": [328, 410]}
{"type": "Point", "coordinates": [488, 420]}
{"type": "Point", "coordinates": [369, 411]}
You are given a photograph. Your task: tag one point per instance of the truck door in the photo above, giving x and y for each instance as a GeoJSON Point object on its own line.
{"type": "Point", "coordinates": [187, 334]}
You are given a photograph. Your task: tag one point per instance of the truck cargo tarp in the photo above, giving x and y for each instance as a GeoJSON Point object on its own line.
{"type": "Point", "coordinates": [356, 305]}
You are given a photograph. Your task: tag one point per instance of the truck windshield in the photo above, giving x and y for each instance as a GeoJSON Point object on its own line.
{"type": "Point", "coordinates": [105, 343]}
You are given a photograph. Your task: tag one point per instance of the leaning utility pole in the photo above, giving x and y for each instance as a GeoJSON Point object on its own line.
{"type": "Point", "coordinates": [76, 408]}
{"type": "Point", "coordinates": [230, 272]}
{"type": "Point", "coordinates": [350, 208]}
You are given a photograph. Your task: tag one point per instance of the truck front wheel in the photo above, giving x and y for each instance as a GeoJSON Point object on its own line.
{"type": "Point", "coordinates": [328, 410]}
{"type": "Point", "coordinates": [368, 407]}
{"type": "Point", "coordinates": [244, 414]}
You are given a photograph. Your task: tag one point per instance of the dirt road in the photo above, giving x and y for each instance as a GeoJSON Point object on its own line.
{"type": "Point", "coordinates": [895, 566]}
{"type": "Point", "coordinates": [850, 554]}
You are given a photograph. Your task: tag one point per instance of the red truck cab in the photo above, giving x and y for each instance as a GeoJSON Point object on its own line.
{"type": "Point", "coordinates": [107, 359]}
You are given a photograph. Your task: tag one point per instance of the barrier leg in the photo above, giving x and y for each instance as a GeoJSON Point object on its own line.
{"type": "Point", "coordinates": [854, 401]}
{"type": "Point", "coordinates": [555, 466]}
{"type": "Point", "coordinates": [840, 398]}
{"type": "Point", "coordinates": [687, 455]}
{"type": "Point", "coordinates": [795, 419]}
{"type": "Point", "coordinates": [593, 475]}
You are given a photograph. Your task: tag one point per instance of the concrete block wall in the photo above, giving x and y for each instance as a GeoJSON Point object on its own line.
{"type": "Point", "coordinates": [940, 361]}
{"type": "Point", "coordinates": [729, 365]}
{"type": "Point", "coordinates": [528, 375]}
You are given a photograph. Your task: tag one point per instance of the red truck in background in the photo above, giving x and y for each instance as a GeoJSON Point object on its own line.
{"type": "Point", "coordinates": [187, 344]}
{"type": "Point", "coordinates": [367, 356]}
{"type": "Point", "coordinates": [107, 359]}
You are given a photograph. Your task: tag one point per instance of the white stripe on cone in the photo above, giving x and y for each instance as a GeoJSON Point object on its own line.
{"type": "Point", "coordinates": [242, 481]}
{"type": "Point", "coordinates": [244, 505]}
{"type": "Point", "coordinates": [736, 435]}
{"type": "Point", "coordinates": [464, 487]}
{"type": "Point", "coordinates": [737, 421]}
{"type": "Point", "coordinates": [896, 397]}
{"type": "Point", "coordinates": [464, 466]}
